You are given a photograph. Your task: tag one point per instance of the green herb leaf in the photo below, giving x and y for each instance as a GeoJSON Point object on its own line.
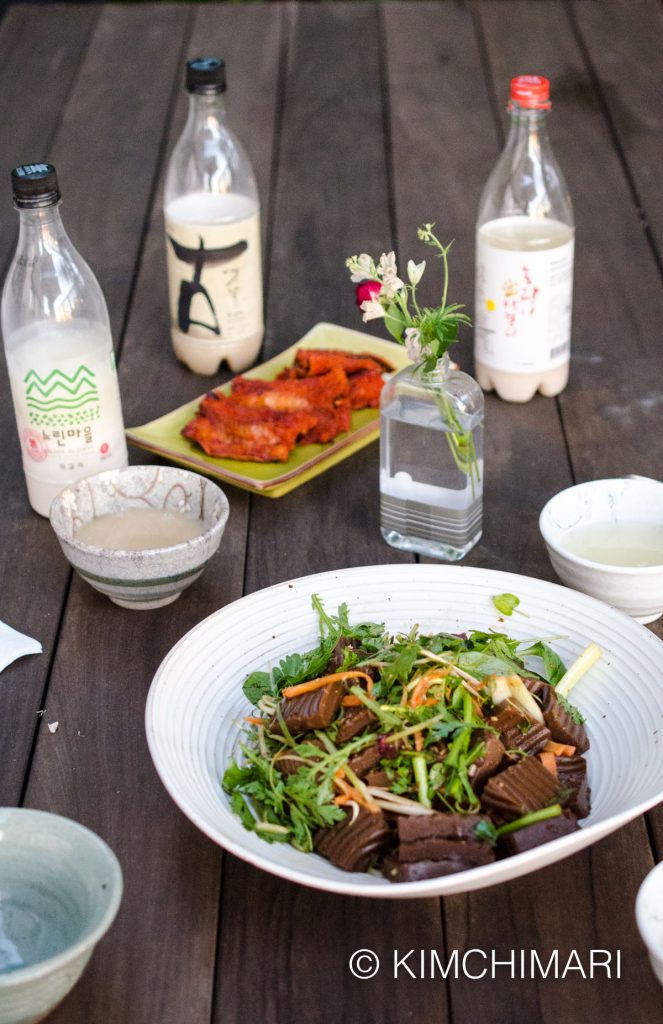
{"type": "Point", "coordinates": [482, 665]}
{"type": "Point", "coordinates": [235, 775]}
{"type": "Point", "coordinates": [241, 808]}
{"type": "Point", "coordinates": [505, 603]}
{"type": "Point", "coordinates": [257, 685]}
{"type": "Point", "coordinates": [486, 830]}
{"type": "Point", "coordinates": [553, 666]}
{"type": "Point", "coordinates": [394, 321]}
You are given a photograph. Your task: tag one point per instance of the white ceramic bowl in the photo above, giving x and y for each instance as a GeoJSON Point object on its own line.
{"type": "Point", "coordinates": [649, 916]}
{"type": "Point", "coordinates": [152, 577]}
{"type": "Point", "coordinates": [624, 502]}
{"type": "Point", "coordinates": [60, 889]}
{"type": "Point", "coordinates": [196, 707]}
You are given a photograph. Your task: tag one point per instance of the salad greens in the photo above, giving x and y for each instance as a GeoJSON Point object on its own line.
{"type": "Point", "coordinates": [432, 715]}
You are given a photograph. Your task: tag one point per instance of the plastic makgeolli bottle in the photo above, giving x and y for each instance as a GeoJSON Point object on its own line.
{"type": "Point", "coordinates": [212, 219]}
{"type": "Point", "coordinates": [524, 259]}
{"type": "Point", "coordinates": [59, 349]}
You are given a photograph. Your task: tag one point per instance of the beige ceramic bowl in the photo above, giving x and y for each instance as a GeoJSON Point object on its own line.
{"type": "Point", "coordinates": [151, 577]}
{"type": "Point", "coordinates": [626, 503]}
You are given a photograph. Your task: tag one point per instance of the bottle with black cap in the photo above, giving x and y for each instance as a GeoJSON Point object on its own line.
{"type": "Point", "coordinates": [59, 349]}
{"type": "Point", "coordinates": [212, 215]}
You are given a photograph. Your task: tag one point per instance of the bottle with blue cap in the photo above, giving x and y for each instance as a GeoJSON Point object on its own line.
{"type": "Point", "coordinates": [59, 349]}
{"type": "Point", "coordinates": [212, 216]}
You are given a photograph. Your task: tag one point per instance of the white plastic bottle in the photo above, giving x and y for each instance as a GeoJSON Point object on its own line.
{"type": "Point", "coordinates": [212, 216]}
{"type": "Point", "coordinates": [59, 349]}
{"type": "Point", "coordinates": [524, 259]}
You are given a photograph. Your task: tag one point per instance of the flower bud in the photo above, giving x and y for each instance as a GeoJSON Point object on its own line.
{"type": "Point", "coordinates": [367, 290]}
{"type": "Point", "coordinates": [415, 271]}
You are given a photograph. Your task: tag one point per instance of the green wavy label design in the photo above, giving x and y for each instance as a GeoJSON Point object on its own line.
{"type": "Point", "coordinates": [58, 398]}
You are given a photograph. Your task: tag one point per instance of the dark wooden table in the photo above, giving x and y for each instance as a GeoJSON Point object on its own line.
{"type": "Point", "coordinates": [362, 121]}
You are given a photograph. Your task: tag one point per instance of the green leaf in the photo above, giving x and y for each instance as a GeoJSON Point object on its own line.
{"type": "Point", "coordinates": [482, 664]}
{"type": "Point", "coordinates": [240, 807]}
{"type": "Point", "coordinates": [486, 830]}
{"type": "Point", "coordinates": [235, 775]}
{"type": "Point", "coordinates": [505, 603]}
{"type": "Point", "coordinates": [394, 321]}
{"type": "Point", "coordinates": [553, 666]}
{"type": "Point", "coordinates": [401, 667]}
{"type": "Point", "coordinates": [256, 686]}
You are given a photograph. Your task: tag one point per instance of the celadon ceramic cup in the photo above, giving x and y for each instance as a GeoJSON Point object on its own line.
{"type": "Point", "coordinates": [60, 889]}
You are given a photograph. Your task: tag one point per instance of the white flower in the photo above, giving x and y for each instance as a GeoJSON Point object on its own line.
{"type": "Point", "coordinates": [372, 310]}
{"type": "Point", "coordinates": [390, 285]}
{"type": "Point", "coordinates": [362, 267]}
{"type": "Point", "coordinates": [387, 266]}
{"type": "Point", "coordinates": [413, 343]}
{"type": "Point", "coordinates": [415, 271]}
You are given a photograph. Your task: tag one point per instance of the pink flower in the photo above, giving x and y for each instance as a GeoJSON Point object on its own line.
{"type": "Point", "coordinates": [367, 290]}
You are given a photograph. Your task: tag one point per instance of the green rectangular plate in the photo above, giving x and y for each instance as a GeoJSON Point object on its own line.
{"type": "Point", "coordinates": [163, 436]}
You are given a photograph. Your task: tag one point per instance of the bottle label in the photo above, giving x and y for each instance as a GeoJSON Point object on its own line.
{"type": "Point", "coordinates": [523, 307]}
{"type": "Point", "coordinates": [68, 415]}
{"type": "Point", "coordinates": [215, 278]}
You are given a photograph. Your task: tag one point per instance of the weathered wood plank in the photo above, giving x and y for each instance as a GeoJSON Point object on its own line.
{"type": "Point", "coordinates": [172, 873]}
{"type": "Point", "coordinates": [617, 865]}
{"type": "Point", "coordinates": [332, 201]}
{"type": "Point", "coordinates": [444, 144]}
{"type": "Point", "coordinates": [40, 49]}
{"type": "Point", "coordinates": [580, 904]}
{"type": "Point", "coordinates": [306, 941]}
{"type": "Point", "coordinates": [608, 230]}
{"type": "Point", "coordinates": [623, 40]}
{"type": "Point", "coordinates": [114, 123]}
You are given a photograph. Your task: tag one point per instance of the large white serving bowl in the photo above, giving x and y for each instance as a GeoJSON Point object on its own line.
{"type": "Point", "coordinates": [625, 502]}
{"type": "Point", "coordinates": [196, 705]}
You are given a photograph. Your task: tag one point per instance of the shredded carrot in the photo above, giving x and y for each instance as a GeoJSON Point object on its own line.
{"type": "Point", "coordinates": [350, 701]}
{"type": "Point", "coordinates": [418, 741]}
{"type": "Point", "coordinates": [349, 792]}
{"type": "Point", "coordinates": [559, 749]}
{"type": "Point", "coordinates": [254, 721]}
{"type": "Point", "coordinates": [549, 761]}
{"type": "Point", "coordinates": [422, 686]}
{"type": "Point", "coordinates": [339, 773]}
{"type": "Point", "coordinates": [352, 794]}
{"type": "Point", "coordinates": [315, 684]}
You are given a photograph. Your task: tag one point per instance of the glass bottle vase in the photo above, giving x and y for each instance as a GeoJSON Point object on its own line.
{"type": "Point", "coordinates": [431, 461]}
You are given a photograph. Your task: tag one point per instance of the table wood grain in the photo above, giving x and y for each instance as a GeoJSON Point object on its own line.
{"type": "Point", "coordinates": [362, 120]}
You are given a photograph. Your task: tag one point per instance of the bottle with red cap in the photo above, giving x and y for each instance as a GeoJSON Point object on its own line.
{"type": "Point", "coordinates": [524, 258]}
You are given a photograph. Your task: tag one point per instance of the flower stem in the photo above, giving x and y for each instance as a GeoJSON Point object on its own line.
{"type": "Point", "coordinates": [461, 442]}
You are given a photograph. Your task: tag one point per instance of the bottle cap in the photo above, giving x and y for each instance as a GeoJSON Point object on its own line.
{"type": "Point", "coordinates": [35, 185]}
{"type": "Point", "coordinates": [531, 92]}
{"type": "Point", "coordinates": [206, 75]}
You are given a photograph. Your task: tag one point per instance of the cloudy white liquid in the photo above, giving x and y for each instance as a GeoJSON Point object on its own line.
{"type": "Point", "coordinates": [234, 286]}
{"type": "Point", "coordinates": [67, 404]}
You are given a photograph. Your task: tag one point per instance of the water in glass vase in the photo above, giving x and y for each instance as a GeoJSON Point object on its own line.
{"type": "Point", "coordinates": [431, 462]}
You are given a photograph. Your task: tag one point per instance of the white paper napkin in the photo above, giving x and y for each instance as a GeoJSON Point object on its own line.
{"type": "Point", "coordinates": [14, 645]}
